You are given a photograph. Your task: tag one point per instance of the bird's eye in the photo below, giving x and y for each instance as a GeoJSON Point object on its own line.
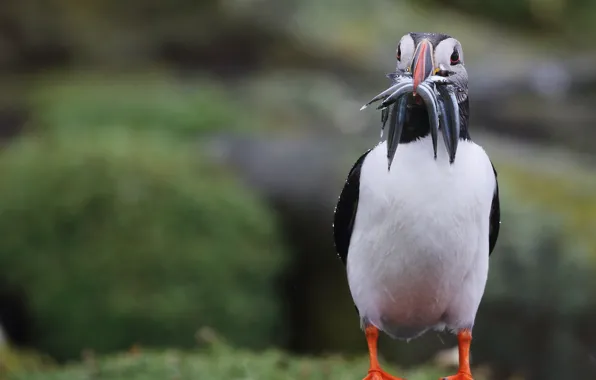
{"type": "Point", "coordinates": [398, 55]}
{"type": "Point", "coordinates": [454, 57]}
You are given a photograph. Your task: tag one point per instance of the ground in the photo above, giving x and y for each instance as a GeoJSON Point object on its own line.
{"type": "Point", "coordinates": [218, 361]}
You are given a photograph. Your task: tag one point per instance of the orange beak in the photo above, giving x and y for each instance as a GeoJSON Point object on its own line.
{"type": "Point", "coordinates": [422, 63]}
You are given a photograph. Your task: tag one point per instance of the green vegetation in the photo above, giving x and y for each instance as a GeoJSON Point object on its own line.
{"type": "Point", "coordinates": [216, 362]}
{"type": "Point", "coordinates": [148, 101]}
{"type": "Point", "coordinates": [572, 17]}
{"type": "Point", "coordinates": [18, 360]}
{"type": "Point", "coordinates": [117, 237]}
{"type": "Point", "coordinates": [571, 195]}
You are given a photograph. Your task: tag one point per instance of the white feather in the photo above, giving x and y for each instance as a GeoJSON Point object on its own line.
{"type": "Point", "coordinates": [418, 256]}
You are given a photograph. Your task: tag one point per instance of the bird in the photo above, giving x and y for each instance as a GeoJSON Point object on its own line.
{"type": "Point", "coordinates": [418, 217]}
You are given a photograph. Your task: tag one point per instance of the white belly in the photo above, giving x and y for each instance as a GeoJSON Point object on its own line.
{"type": "Point", "coordinates": [418, 256]}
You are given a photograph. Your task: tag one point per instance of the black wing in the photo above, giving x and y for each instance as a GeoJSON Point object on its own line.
{"type": "Point", "coordinates": [495, 217]}
{"type": "Point", "coordinates": [345, 211]}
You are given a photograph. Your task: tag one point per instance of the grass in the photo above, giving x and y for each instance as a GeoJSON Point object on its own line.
{"type": "Point", "coordinates": [271, 365]}
{"type": "Point", "coordinates": [216, 361]}
{"type": "Point", "coordinates": [148, 101]}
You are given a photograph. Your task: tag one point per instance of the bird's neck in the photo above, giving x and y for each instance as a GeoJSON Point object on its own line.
{"type": "Point", "coordinates": [417, 126]}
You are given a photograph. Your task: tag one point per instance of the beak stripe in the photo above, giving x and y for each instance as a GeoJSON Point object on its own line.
{"type": "Point", "coordinates": [422, 63]}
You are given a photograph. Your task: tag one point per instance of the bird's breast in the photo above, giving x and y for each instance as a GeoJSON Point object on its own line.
{"type": "Point", "coordinates": [418, 227]}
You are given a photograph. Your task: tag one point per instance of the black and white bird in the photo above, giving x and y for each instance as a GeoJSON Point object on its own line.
{"type": "Point", "coordinates": [419, 215]}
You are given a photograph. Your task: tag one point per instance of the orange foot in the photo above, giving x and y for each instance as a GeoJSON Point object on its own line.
{"type": "Point", "coordinates": [464, 339]}
{"type": "Point", "coordinates": [380, 375]}
{"type": "Point", "coordinates": [375, 372]}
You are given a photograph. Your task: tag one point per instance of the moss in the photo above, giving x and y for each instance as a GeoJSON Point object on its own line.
{"type": "Point", "coordinates": [117, 238]}
{"type": "Point", "coordinates": [150, 101]}
{"type": "Point", "coordinates": [219, 361]}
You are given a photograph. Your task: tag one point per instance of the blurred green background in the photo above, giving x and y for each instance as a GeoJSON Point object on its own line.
{"type": "Point", "coordinates": [170, 169]}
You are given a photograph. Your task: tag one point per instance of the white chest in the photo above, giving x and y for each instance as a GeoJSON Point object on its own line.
{"type": "Point", "coordinates": [420, 229]}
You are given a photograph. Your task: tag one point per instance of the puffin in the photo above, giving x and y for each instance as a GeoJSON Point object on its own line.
{"type": "Point", "coordinates": [419, 214]}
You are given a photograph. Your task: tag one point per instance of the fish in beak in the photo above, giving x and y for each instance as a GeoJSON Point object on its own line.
{"type": "Point", "coordinates": [437, 95]}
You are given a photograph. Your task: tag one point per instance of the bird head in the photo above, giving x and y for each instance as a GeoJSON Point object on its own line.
{"type": "Point", "coordinates": [428, 93]}
{"type": "Point", "coordinates": [424, 54]}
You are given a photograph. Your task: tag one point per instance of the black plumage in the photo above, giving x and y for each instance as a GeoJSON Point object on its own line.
{"type": "Point", "coordinates": [495, 217]}
{"type": "Point", "coordinates": [345, 211]}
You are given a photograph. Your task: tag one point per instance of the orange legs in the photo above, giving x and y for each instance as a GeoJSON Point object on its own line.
{"type": "Point", "coordinates": [375, 372]}
{"type": "Point", "coordinates": [464, 338]}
